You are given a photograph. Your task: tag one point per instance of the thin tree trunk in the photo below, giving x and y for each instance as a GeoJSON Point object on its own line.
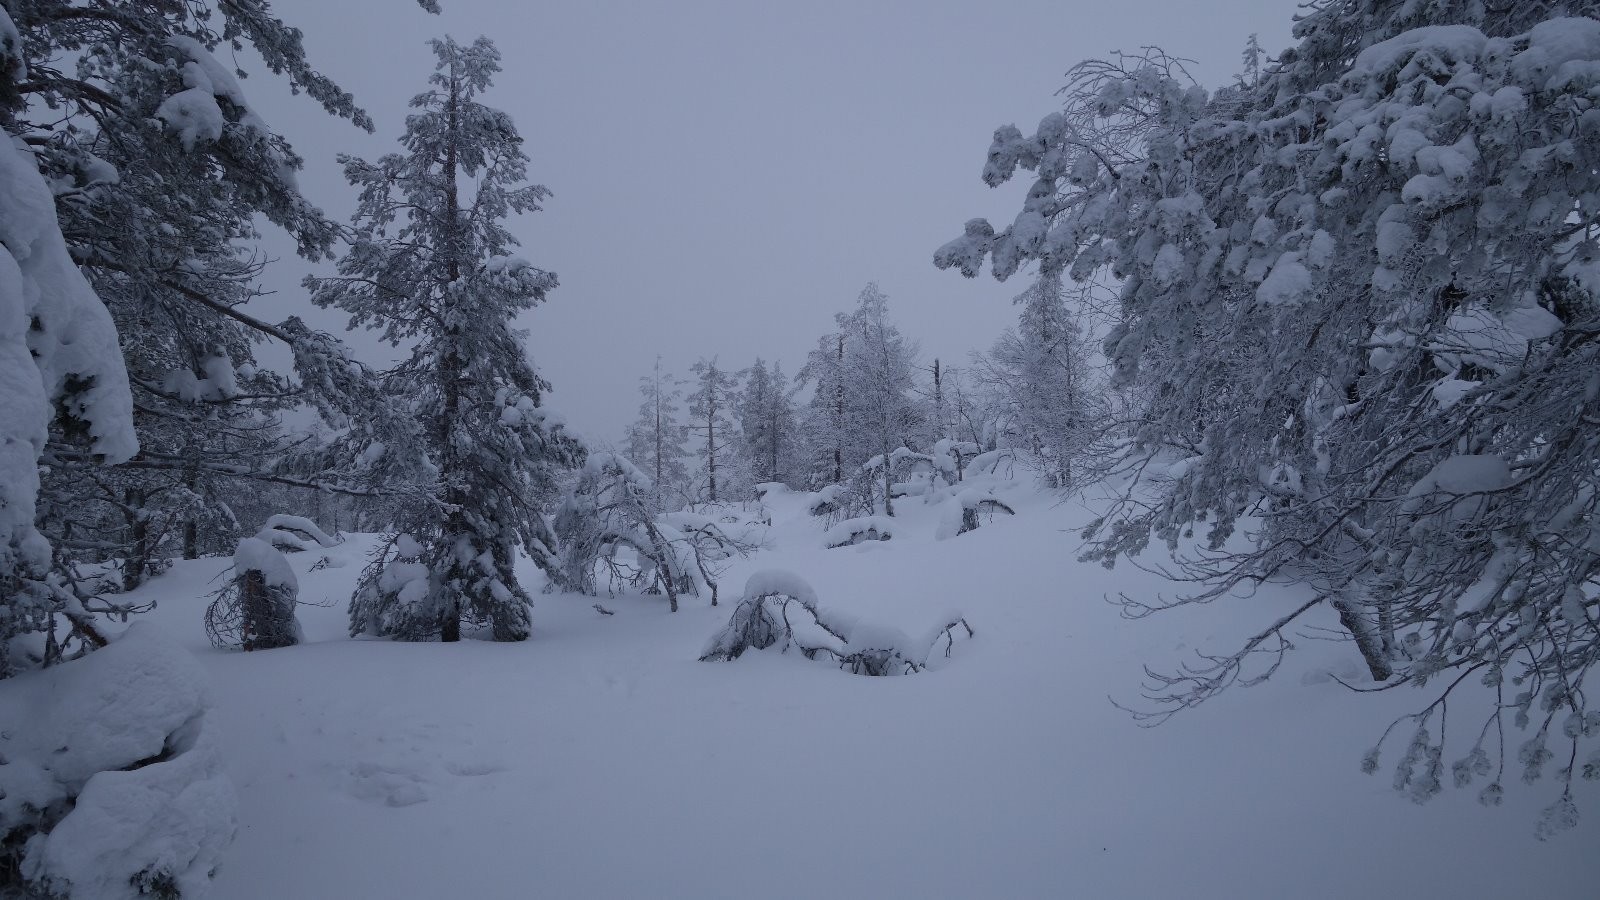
{"type": "Point", "coordinates": [711, 446]}
{"type": "Point", "coordinates": [1369, 645]}
{"type": "Point", "coordinates": [138, 559]}
{"type": "Point", "coordinates": [888, 476]}
{"type": "Point", "coordinates": [838, 415]}
{"type": "Point", "coordinates": [450, 368]}
{"type": "Point", "coordinates": [191, 528]}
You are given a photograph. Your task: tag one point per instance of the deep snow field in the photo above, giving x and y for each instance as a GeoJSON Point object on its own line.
{"type": "Point", "coordinates": [600, 759]}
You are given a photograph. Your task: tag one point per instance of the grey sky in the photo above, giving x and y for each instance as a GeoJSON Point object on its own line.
{"type": "Point", "coordinates": [728, 175]}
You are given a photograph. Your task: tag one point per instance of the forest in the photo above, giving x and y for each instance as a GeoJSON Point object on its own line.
{"type": "Point", "coordinates": [1295, 416]}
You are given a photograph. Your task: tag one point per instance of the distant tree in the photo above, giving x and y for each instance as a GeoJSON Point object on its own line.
{"type": "Point", "coordinates": [767, 426]}
{"type": "Point", "coordinates": [863, 402]}
{"type": "Point", "coordinates": [711, 409]}
{"type": "Point", "coordinates": [430, 265]}
{"type": "Point", "coordinates": [822, 422]}
{"type": "Point", "coordinates": [1250, 61]}
{"type": "Point", "coordinates": [941, 423]}
{"type": "Point", "coordinates": [1038, 374]}
{"type": "Point", "coordinates": [655, 439]}
{"type": "Point", "coordinates": [879, 374]}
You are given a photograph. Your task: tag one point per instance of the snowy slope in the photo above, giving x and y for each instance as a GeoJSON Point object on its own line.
{"type": "Point", "coordinates": [599, 759]}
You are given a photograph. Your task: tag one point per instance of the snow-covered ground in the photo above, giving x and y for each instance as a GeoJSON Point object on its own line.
{"type": "Point", "coordinates": [600, 759]}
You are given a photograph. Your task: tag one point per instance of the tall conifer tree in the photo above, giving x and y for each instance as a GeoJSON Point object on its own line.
{"type": "Point", "coordinates": [431, 266]}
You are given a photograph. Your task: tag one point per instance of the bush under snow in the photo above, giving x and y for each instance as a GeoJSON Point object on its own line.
{"type": "Point", "coordinates": [765, 617]}
{"type": "Point", "coordinates": [857, 530]}
{"type": "Point", "coordinates": [115, 787]}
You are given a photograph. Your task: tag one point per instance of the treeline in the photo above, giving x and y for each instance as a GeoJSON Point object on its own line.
{"type": "Point", "coordinates": [865, 392]}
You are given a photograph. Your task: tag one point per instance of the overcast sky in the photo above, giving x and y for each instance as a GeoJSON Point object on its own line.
{"type": "Point", "coordinates": [728, 175]}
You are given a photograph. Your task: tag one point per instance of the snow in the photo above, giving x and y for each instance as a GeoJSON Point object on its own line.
{"type": "Point", "coordinates": [1495, 341]}
{"type": "Point", "coordinates": [1288, 282]}
{"type": "Point", "coordinates": [1169, 266]}
{"type": "Point", "coordinates": [413, 591]}
{"type": "Point", "coordinates": [994, 462]}
{"type": "Point", "coordinates": [1454, 491]}
{"type": "Point", "coordinates": [859, 529]}
{"type": "Point", "coordinates": [71, 335]}
{"type": "Point", "coordinates": [1445, 175]}
{"type": "Point", "coordinates": [599, 462]}
{"type": "Point", "coordinates": [1454, 42]}
{"type": "Point", "coordinates": [623, 768]}
{"type": "Point", "coordinates": [52, 328]}
{"type": "Point", "coordinates": [221, 381]}
{"type": "Point", "coordinates": [1556, 48]}
{"type": "Point", "coordinates": [866, 636]}
{"type": "Point", "coordinates": [1465, 474]}
{"type": "Point", "coordinates": [398, 576]}
{"type": "Point", "coordinates": [825, 499]}
{"type": "Point", "coordinates": [11, 48]}
{"type": "Point", "coordinates": [193, 113]}
{"type": "Point", "coordinates": [94, 727]}
{"type": "Point", "coordinates": [257, 555]}
{"type": "Point", "coordinates": [284, 530]}
{"type": "Point", "coordinates": [953, 511]}
{"type": "Point", "coordinates": [1449, 391]}
{"type": "Point", "coordinates": [779, 581]}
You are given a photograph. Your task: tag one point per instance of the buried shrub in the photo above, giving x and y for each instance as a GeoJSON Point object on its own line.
{"type": "Point", "coordinates": [780, 609]}
{"type": "Point", "coordinates": [255, 611]}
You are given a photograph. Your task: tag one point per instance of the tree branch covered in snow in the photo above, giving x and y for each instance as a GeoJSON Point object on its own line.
{"type": "Point", "coordinates": [762, 619]}
{"type": "Point", "coordinates": [1359, 297]}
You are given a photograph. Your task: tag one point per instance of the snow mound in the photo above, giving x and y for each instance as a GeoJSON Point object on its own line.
{"type": "Point", "coordinates": [826, 500]}
{"type": "Point", "coordinates": [992, 463]}
{"type": "Point", "coordinates": [763, 619]}
{"type": "Point", "coordinates": [855, 531]}
{"type": "Point", "coordinates": [779, 581]}
{"type": "Point", "coordinates": [294, 533]}
{"type": "Point", "coordinates": [256, 555]}
{"type": "Point", "coordinates": [118, 741]}
{"type": "Point", "coordinates": [961, 513]}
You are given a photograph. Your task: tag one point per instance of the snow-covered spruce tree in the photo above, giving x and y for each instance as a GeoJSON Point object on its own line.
{"type": "Point", "coordinates": [58, 360]}
{"type": "Point", "coordinates": [879, 374]}
{"type": "Point", "coordinates": [822, 421]}
{"type": "Point", "coordinates": [135, 709]}
{"type": "Point", "coordinates": [767, 425]}
{"type": "Point", "coordinates": [657, 436]}
{"type": "Point", "coordinates": [863, 377]}
{"type": "Point", "coordinates": [159, 168]}
{"type": "Point", "coordinates": [429, 266]}
{"type": "Point", "coordinates": [1039, 377]}
{"type": "Point", "coordinates": [716, 440]}
{"type": "Point", "coordinates": [1364, 299]}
